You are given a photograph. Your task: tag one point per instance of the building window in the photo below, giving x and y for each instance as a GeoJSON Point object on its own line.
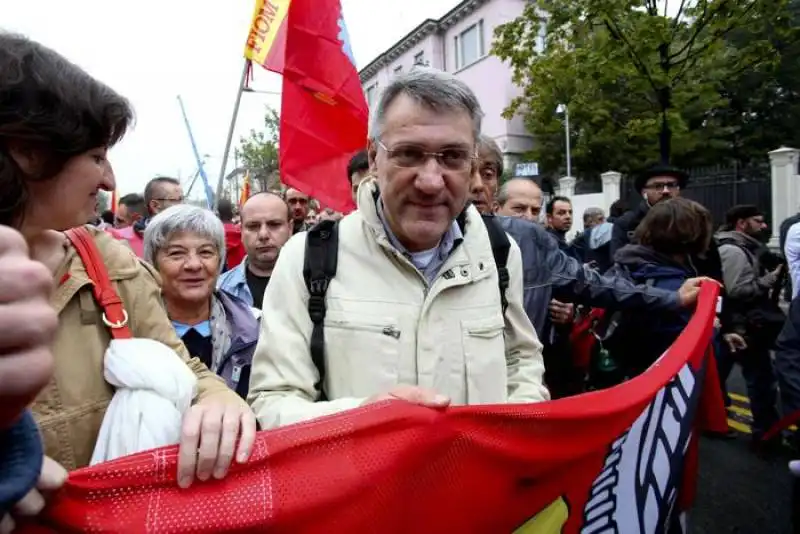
{"type": "Point", "coordinates": [419, 59]}
{"type": "Point", "coordinates": [398, 70]}
{"type": "Point", "coordinates": [541, 39]}
{"type": "Point", "coordinates": [372, 90]}
{"type": "Point", "coordinates": [469, 45]}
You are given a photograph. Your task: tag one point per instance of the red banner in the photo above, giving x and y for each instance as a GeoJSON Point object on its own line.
{"type": "Point", "coordinates": [613, 458]}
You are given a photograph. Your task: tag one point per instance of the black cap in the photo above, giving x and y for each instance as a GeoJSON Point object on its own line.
{"type": "Point", "coordinates": [742, 211]}
{"type": "Point", "coordinates": [661, 170]}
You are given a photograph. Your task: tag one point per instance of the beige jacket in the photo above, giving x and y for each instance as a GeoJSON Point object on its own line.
{"type": "Point", "coordinates": [385, 326]}
{"type": "Point", "coordinates": [71, 408]}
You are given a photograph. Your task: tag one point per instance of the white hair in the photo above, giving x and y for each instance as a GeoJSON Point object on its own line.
{"type": "Point", "coordinates": [434, 89]}
{"type": "Point", "coordinates": [179, 219]}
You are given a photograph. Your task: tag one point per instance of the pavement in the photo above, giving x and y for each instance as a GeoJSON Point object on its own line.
{"type": "Point", "coordinates": [739, 491]}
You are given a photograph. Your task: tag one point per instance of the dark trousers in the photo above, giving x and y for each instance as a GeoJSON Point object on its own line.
{"type": "Point", "coordinates": [759, 376]}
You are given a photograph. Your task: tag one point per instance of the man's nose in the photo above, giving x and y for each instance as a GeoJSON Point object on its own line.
{"type": "Point", "coordinates": [429, 176]}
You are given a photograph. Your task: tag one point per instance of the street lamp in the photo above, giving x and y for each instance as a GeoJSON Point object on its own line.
{"type": "Point", "coordinates": [563, 110]}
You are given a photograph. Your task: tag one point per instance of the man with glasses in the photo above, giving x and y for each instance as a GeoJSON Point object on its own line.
{"type": "Point", "coordinates": [414, 311]}
{"type": "Point", "coordinates": [657, 183]}
{"type": "Point", "coordinates": [159, 194]}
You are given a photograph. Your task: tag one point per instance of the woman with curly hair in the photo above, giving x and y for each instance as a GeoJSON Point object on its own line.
{"type": "Point", "coordinates": [56, 126]}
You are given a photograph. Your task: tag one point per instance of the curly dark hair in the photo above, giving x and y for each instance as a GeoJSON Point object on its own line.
{"type": "Point", "coordinates": [676, 226]}
{"type": "Point", "coordinates": [54, 108]}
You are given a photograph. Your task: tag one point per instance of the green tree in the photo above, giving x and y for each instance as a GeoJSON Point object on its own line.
{"type": "Point", "coordinates": [641, 79]}
{"type": "Point", "coordinates": [258, 152]}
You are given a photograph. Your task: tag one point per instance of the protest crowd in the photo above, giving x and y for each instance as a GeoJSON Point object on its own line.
{"type": "Point", "coordinates": [162, 323]}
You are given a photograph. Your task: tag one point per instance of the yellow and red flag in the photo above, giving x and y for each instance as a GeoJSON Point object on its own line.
{"type": "Point", "coordinates": [323, 109]}
{"type": "Point", "coordinates": [245, 190]}
{"type": "Point", "coordinates": [266, 42]}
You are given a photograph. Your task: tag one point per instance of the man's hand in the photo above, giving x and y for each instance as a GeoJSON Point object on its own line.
{"type": "Point", "coordinates": [208, 439]}
{"type": "Point", "coordinates": [794, 467]}
{"type": "Point", "coordinates": [28, 326]}
{"type": "Point", "coordinates": [687, 294]}
{"type": "Point", "coordinates": [561, 312]}
{"type": "Point", "coordinates": [52, 478]}
{"type": "Point", "coordinates": [414, 395]}
{"type": "Point", "coordinates": [735, 342]}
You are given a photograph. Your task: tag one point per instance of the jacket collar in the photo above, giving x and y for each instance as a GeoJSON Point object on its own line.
{"type": "Point", "coordinates": [120, 263]}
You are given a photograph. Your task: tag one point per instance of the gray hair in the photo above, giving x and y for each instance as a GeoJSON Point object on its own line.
{"type": "Point", "coordinates": [489, 145]}
{"type": "Point", "coordinates": [434, 89]}
{"type": "Point", "coordinates": [183, 218]}
{"type": "Point", "coordinates": [589, 214]}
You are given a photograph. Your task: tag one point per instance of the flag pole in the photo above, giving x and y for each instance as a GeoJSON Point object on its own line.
{"type": "Point", "coordinates": [232, 128]}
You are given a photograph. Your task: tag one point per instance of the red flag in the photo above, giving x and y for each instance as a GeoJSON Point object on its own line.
{"type": "Point", "coordinates": [323, 110]}
{"type": "Point", "coordinates": [611, 460]}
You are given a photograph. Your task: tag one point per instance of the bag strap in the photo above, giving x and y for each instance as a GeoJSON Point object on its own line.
{"type": "Point", "coordinates": [319, 268]}
{"type": "Point", "coordinates": [114, 315]}
{"type": "Point", "coordinates": [501, 247]}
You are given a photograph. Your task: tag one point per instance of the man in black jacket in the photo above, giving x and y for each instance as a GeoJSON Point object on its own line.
{"type": "Point", "coordinates": [657, 183]}
{"type": "Point", "coordinates": [787, 367]}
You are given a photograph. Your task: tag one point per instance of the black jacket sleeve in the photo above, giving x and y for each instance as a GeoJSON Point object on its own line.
{"type": "Point", "coordinates": [787, 359]}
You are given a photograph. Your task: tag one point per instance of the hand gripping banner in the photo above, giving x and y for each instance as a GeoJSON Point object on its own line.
{"type": "Point", "coordinates": [620, 460]}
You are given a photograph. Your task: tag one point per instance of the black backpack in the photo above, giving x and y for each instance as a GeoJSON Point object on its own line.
{"type": "Point", "coordinates": [321, 261]}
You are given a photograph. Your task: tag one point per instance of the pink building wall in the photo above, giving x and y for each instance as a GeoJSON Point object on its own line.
{"type": "Point", "coordinates": [489, 77]}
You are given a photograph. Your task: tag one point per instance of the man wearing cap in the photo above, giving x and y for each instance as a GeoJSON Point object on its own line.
{"type": "Point", "coordinates": [749, 281]}
{"type": "Point", "coordinates": [655, 184]}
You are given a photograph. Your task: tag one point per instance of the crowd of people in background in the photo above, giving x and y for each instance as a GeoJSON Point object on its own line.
{"type": "Point", "coordinates": [446, 286]}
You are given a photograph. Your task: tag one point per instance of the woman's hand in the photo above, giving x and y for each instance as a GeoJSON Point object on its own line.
{"type": "Point", "coordinates": [208, 438]}
{"type": "Point", "coordinates": [51, 478]}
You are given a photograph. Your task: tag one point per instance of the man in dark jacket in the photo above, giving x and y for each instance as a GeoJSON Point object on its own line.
{"type": "Point", "coordinates": [549, 273]}
{"type": "Point", "coordinates": [655, 184]}
{"type": "Point", "coordinates": [787, 366]}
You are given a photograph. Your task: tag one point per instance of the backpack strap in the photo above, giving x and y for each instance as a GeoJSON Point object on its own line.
{"type": "Point", "coordinates": [319, 268]}
{"type": "Point", "coordinates": [501, 247]}
{"type": "Point", "coordinates": [114, 315]}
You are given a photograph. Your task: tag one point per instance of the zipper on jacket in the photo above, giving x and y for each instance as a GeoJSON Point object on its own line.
{"type": "Point", "coordinates": [389, 331]}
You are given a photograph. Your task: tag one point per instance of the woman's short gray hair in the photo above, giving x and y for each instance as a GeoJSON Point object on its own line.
{"type": "Point", "coordinates": [433, 89]}
{"type": "Point", "coordinates": [178, 219]}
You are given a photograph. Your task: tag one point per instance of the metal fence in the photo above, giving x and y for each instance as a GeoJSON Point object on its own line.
{"type": "Point", "coordinates": [720, 188]}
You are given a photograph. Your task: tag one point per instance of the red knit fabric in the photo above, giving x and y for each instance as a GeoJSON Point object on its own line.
{"type": "Point", "coordinates": [613, 457]}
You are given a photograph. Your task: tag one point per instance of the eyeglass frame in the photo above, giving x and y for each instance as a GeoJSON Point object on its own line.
{"type": "Point", "coordinates": [428, 154]}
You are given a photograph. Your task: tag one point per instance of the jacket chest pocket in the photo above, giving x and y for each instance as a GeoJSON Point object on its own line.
{"type": "Point", "coordinates": [485, 360]}
{"type": "Point", "coordinates": [361, 353]}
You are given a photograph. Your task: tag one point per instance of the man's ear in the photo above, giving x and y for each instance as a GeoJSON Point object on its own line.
{"type": "Point", "coordinates": [372, 155]}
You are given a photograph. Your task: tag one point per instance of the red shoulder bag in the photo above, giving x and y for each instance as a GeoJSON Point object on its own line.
{"type": "Point", "coordinates": [114, 315]}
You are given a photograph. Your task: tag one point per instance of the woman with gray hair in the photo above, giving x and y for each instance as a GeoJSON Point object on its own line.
{"type": "Point", "coordinates": [186, 244]}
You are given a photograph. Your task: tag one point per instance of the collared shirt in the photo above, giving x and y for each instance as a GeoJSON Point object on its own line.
{"type": "Point", "coordinates": [428, 261]}
{"type": "Point", "coordinates": [234, 282]}
{"type": "Point", "coordinates": [204, 328]}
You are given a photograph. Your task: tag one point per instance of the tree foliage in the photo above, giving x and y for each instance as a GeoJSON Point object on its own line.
{"type": "Point", "coordinates": [644, 80]}
{"type": "Point", "coordinates": [258, 152]}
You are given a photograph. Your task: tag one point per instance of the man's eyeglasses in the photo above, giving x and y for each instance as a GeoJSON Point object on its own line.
{"type": "Point", "coordinates": [179, 199]}
{"type": "Point", "coordinates": [660, 186]}
{"type": "Point", "coordinates": [409, 157]}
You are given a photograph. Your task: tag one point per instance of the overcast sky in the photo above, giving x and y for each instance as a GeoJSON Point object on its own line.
{"type": "Point", "coordinates": [153, 50]}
